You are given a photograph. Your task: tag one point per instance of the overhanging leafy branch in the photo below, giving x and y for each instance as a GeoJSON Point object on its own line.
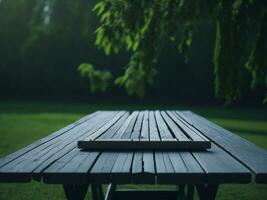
{"type": "Point", "coordinates": [139, 27]}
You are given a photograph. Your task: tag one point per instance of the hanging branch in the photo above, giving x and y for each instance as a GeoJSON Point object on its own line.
{"type": "Point", "coordinates": [139, 27]}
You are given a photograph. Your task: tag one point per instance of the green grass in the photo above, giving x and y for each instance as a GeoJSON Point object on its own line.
{"type": "Point", "coordinates": [23, 123]}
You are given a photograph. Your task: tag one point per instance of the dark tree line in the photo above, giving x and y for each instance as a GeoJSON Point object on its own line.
{"type": "Point", "coordinates": [43, 42]}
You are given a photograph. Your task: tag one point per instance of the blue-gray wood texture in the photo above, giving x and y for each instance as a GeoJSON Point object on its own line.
{"type": "Point", "coordinates": [56, 158]}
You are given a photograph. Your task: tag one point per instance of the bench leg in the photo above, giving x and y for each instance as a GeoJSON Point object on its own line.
{"type": "Point", "coordinates": [97, 192]}
{"type": "Point", "coordinates": [75, 192]}
{"type": "Point", "coordinates": [207, 192]}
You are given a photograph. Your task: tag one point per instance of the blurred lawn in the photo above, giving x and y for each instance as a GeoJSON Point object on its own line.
{"type": "Point", "coordinates": [23, 123]}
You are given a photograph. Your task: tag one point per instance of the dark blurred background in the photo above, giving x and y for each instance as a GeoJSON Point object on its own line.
{"type": "Point", "coordinates": [41, 46]}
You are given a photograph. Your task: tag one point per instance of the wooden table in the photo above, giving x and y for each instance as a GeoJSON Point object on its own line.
{"type": "Point", "coordinates": [55, 159]}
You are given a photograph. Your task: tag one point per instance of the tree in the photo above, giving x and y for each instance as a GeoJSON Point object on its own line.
{"type": "Point", "coordinates": [139, 27]}
{"type": "Point", "coordinates": [41, 43]}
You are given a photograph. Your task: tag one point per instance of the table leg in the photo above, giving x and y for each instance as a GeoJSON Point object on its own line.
{"type": "Point", "coordinates": [190, 192]}
{"type": "Point", "coordinates": [110, 191]}
{"type": "Point", "coordinates": [185, 192]}
{"type": "Point", "coordinates": [207, 192]}
{"type": "Point", "coordinates": [181, 192]}
{"type": "Point", "coordinates": [75, 192]}
{"type": "Point", "coordinates": [97, 192]}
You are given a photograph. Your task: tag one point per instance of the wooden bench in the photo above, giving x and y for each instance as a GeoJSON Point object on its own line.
{"type": "Point", "coordinates": [56, 159]}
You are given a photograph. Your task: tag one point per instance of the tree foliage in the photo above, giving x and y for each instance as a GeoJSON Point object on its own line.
{"type": "Point", "coordinates": [139, 27]}
{"type": "Point", "coordinates": [98, 79]}
{"type": "Point", "coordinates": [41, 44]}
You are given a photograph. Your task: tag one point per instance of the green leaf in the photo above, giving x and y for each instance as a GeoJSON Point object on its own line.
{"type": "Point", "coordinates": [85, 69]}
{"type": "Point", "coordinates": [107, 48]}
{"type": "Point", "coordinates": [98, 79]}
{"type": "Point", "coordinates": [99, 7]}
{"type": "Point", "coordinates": [135, 46]}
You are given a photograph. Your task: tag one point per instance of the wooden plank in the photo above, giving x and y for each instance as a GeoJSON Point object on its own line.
{"type": "Point", "coordinates": [62, 150]}
{"type": "Point", "coordinates": [111, 172]}
{"type": "Point", "coordinates": [220, 167]}
{"type": "Point", "coordinates": [212, 163]}
{"type": "Point", "coordinates": [145, 127]}
{"type": "Point", "coordinates": [143, 169]}
{"type": "Point", "coordinates": [40, 157]}
{"type": "Point", "coordinates": [100, 173]}
{"type": "Point", "coordinates": [140, 174]}
{"type": "Point", "coordinates": [164, 170]}
{"type": "Point", "coordinates": [137, 128]}
{"type": "Point", "coordinates": [189, 161]}
{"type": "Point", "coordinates": [71, 168]}
{"type": "Point", "coordinates": [121, 171]}
{"type": "Point", "coordinates": [113, 130]}
{"type": "Point", "coordinates": [148, 163]}
{"type": "Point", "coordinates": [176, 131]}
{"type": "Point", "coordinates": [72, 143]}
{"type": "Point", "coordinates": [153, 130]}
{"type": "Point", "coordinates": [5, 160]}
{"type": "Point", "coordinates": [79, 160]}
{"type": "Point", "coordinates": [104, 128]}
{"type": "Point", "coordinates": [142, 145]}
{"type": "Point", "coordinates": [192, 128]}
{"type": "Point", "coordinates": [187, 130]}
{"type": "Point", "coordinates": [164, 132]}
{"type": "Point", "coordinates": [178, 168]}
{"type": "Point", "coordinates": [172, 167]}
{"type": "Point", "coordinates": [246, 152]}
{"type": "Point", "coordinates": [56, 141]}
{"type": "Point", "coordinates": [127, 133]}
{"type": "Point", "coordinates": [127, 125]}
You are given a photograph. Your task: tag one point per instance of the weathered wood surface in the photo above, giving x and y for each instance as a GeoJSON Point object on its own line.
{"type": "Point", "coordinates": [56, 158]}
{"type": "Point", "coordinates": [242, 150]}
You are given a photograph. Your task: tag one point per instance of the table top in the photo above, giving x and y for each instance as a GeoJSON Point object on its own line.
{"type": "Point", "coordinates": [56, 158]}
